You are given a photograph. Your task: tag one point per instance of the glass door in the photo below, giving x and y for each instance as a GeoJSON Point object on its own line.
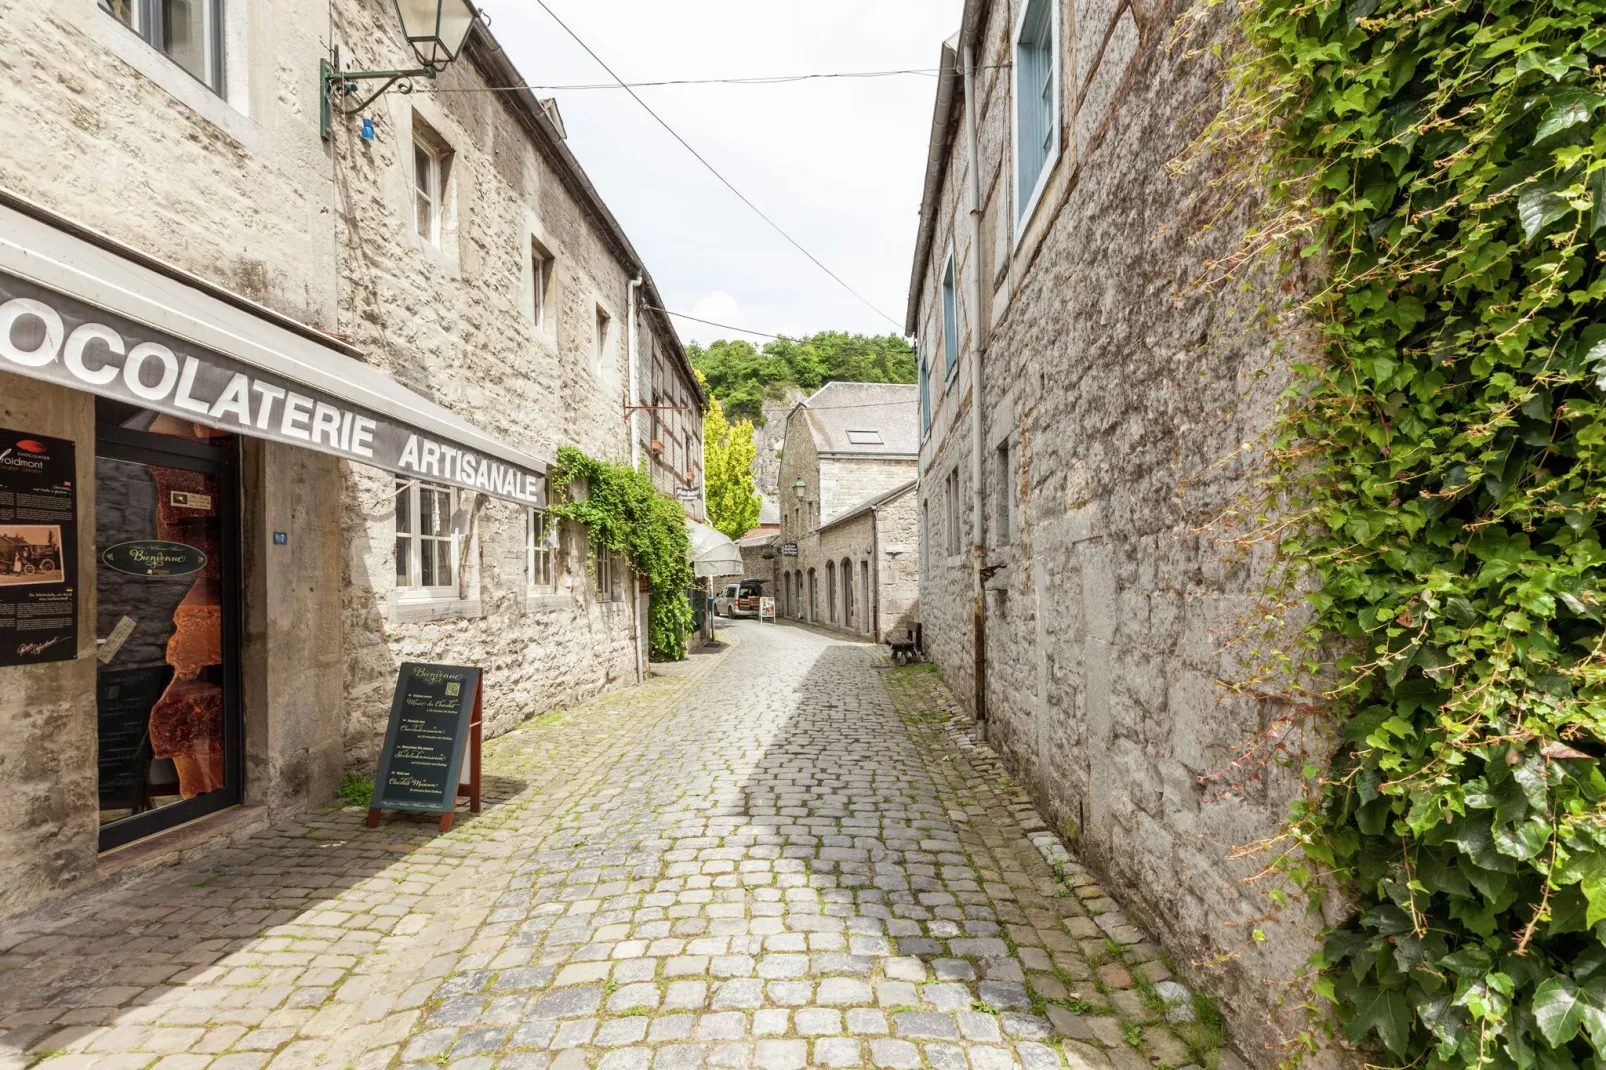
{"type": "Point", "coordinates": [167, 583]}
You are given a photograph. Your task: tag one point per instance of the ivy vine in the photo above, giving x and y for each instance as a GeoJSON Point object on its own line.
{"type": "Point", "coordinates": [1440, 471]}
{"type": "Point", "coordinates": [623, 512]}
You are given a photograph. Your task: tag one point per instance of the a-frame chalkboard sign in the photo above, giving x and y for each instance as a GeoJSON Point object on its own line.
{"type": "Point", "coordinates": [435, 718]}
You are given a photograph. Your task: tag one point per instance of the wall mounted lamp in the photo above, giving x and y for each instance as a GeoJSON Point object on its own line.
{"type": "Point", "coordinates": [436, 30]}
{"type": "Point", "coordinates": [799, 487]}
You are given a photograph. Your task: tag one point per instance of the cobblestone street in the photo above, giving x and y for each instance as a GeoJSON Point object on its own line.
{"type": "Point", "coordinates": [780, 855]}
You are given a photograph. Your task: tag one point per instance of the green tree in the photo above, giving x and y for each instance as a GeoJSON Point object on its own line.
{"type": "Point", "coordinates": [728, 451]}
{"type": "Point", "coordinates": [743, 377]}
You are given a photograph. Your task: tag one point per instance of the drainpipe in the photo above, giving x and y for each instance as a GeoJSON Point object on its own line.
{"type": "Point", "coordinates": [875, 573]}
{"type": "Point", "coordinates": [977, 498]}
{"type": "Point", "coordinates": [631, 412]}
{"type": "Point", "coordinates": [635, 380]}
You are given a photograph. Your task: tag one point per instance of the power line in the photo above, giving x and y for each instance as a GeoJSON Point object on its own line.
{"type": "Point", "coordinates": [777, 79]}
{"type": "Point", "coordinates": [712, 170]}
{"type": "Point", "coordinates": [711, 323]}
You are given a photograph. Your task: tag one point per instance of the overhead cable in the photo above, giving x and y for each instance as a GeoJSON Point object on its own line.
{"type": "Point", "coordinates": [714, 171]}
{"type": "Point", "coordinates": [711, 323]}
{"type": "Point", "coordinates": [777, 79]}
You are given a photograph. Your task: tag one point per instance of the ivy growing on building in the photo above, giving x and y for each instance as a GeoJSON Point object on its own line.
{"type": "Point", "coordinates": [623, 512]}
{"type": "Point", "coordinates": [1440, 471]}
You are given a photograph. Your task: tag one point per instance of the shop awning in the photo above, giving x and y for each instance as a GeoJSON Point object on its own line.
{"type": "Point", "coordinates": [712, 553]}
{"type": "Point", "coordinates": [77, 308]}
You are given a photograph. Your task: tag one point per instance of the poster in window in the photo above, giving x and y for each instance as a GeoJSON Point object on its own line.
{"type": "Point", "coordinates": [38, 549]}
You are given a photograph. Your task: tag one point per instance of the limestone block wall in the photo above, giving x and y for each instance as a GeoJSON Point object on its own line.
{"type": "Point", "coordinates": [1125, 397]}
{"type": "Point", "coordinates": [236, 189]}
{"type": "Point", "coordinates": [50, 816]}
{"type": "Point", "coordinates": [456, 322]}
{"type": "Point", "coordinates": [898, 528]}
{"type": "Point", "coordinates": [849, 481]}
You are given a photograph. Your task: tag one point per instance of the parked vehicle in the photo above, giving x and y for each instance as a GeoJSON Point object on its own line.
{"type": "Point", "coordinates": [739, 599]}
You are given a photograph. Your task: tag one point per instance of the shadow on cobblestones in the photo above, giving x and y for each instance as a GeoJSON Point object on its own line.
{"type": "Point", "coordinates": [781, 855]}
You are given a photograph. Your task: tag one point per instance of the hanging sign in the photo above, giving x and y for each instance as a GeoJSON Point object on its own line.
{"type": "Point", "coordinates": [46, 335]}
{"type": "Point", "coordinates": [38, 549]}
{"type": "Point", "coordinates": [435, 725]}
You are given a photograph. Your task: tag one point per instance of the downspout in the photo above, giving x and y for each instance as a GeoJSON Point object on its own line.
{"type": "Point", "coordinates": [632, 400]}
{"type": "Point", "coordinates": [875, 573]}
{"type": "Point", "coordinates": [631, 410]}
{"type": "Point", "coordinates": [978, 499]}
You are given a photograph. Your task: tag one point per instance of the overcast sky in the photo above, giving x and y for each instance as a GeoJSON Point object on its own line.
{"type": "Point", "coordinates": [837, 164]}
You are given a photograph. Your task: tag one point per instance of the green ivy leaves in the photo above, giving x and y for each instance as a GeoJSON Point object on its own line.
{"type": "Point", "coordinates": [624, 512]}
{"type": "Point", "coordinates": [1448, 163]}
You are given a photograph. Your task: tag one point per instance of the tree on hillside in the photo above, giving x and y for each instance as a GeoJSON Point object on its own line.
{"type": "Point", "coordinates": [728, 453]}
{"type": "Point", "coordinates": [744, 377]}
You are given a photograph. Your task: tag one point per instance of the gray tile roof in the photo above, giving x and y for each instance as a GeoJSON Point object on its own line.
{"type": "Point", "coordinates": [889, 412]}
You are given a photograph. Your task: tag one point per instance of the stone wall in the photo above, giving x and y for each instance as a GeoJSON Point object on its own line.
{"type": "Point", "coordinates": [50, 816]}
{"type": "Point", "coordinates": [456, 322]}
{"type": "Point", "coordinates": [239, 190]}
{"type": "Point", "coordinates": [1123, 398]}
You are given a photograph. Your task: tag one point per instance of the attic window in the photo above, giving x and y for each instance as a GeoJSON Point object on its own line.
{"type": "Point", "coordinates": [865, 438]}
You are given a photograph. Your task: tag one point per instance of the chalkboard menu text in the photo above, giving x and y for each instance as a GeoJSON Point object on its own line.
{"type": "Point", "coordinates": [435, 719]}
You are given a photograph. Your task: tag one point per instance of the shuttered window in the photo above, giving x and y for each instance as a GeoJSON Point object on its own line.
{"type": "Point", "coordinates": [1036, 101]}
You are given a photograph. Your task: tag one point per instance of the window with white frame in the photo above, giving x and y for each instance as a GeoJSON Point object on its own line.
{"type": "Point", "coordinates": [189, 32]}
{"type": "Point", "coordinates": [950, 317]}
{"type": "Point", "coordinates": [604, 561]}
{"type": "Point", "coordinates": [541, 549]}
{"type": "Point", "coordinates": [541, 263]}
{"type": "Point", "coordinates": [427, 187]}
{"type": "Point", "coordinates": [426, 546]}
{"type": "Point", "coordinates": [1037, 119]}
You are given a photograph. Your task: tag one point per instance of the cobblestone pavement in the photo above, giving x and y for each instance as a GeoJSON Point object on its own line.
{"type": "Point", "coordinates": [783, 855]}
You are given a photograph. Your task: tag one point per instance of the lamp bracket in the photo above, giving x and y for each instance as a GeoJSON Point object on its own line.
{"type": "Point", "coordinates": [343, 84]}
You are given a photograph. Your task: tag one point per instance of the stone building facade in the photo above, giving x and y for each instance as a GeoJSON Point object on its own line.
{"type": "Point", "coordinates": [845, 556]}
{"type": "Point", "coordinates": [1113, 397]}
{"type": "Point", "coordinates": [455, 274]}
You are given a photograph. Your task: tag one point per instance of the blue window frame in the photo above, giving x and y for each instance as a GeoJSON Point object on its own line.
{"type": "Point", "coordinates": [950, 318]}
{"type": "Point", "coordinates": [1037, 126]}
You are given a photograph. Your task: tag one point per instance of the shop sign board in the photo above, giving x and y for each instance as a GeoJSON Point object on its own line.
{"type": "Point", "coordinates": [766, 607]}
{"type": "Point", "coordinates": [788, 549]}
{"type": "Point", "coordinates": [38, 549]}
{"type": "Point", "coordinates": [435, 726]}
{"type": "Point", "coordinates": [152, 557]}
{"type": "Point", "coordinates": [50, 336]}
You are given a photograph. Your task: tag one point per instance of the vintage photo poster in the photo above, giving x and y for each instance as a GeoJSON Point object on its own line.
{"type": "Point", "coordinates": [38, 549]}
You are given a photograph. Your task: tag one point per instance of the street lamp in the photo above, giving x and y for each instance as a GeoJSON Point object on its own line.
{"type": "Point", "coordinates": [436, 30]}
{"type": "Point", "coordinates": [799, 487]}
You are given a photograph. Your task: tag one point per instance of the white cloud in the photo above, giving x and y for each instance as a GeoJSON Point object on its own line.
{"type": "Point", "coordinates": [717, 307]}
{"type": "Point", "coordinates": [838, 164]}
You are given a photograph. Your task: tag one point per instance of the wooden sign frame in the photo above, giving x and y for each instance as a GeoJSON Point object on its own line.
{"type": "Point", "coordinates": [466, 753]}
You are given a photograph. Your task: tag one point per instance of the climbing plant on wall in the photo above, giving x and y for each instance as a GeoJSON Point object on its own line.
{"type": "Point", "coordinates": [622, 511]}
{"type": "Point", "coordinates": [1441, 469]}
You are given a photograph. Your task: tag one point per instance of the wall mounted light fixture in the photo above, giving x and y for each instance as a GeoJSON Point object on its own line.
{"type": "Point", "coordinates": [436, 29]}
